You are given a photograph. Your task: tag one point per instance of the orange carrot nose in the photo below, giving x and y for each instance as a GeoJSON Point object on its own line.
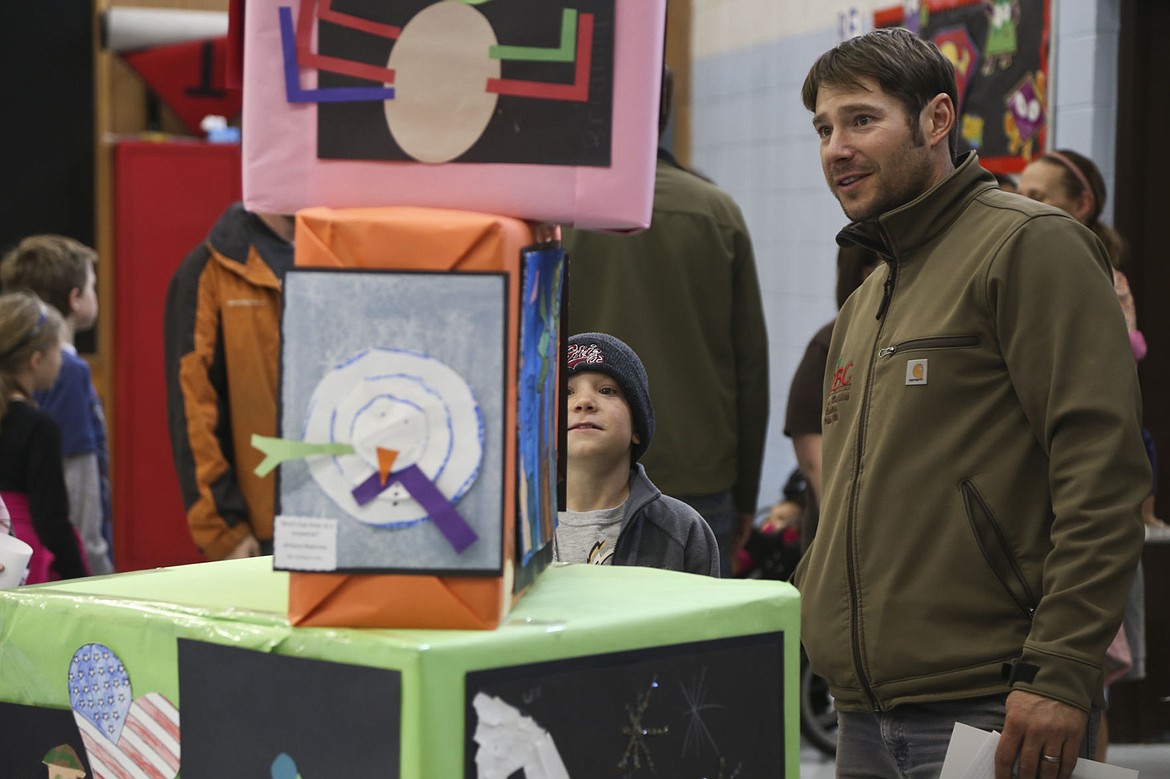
{"type": "Point", "coordinates": [386, 458]}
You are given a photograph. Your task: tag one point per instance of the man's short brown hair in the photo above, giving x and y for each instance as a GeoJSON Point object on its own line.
{"type": "Point", "coordinates": [905, 66]}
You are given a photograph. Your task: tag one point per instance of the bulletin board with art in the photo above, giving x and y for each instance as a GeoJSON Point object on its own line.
{"type": "Point", "coordinates": [1000, 52]}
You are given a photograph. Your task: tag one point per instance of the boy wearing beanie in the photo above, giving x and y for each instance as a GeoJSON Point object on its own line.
{"type": "Point", "coordinates": [616, 516]}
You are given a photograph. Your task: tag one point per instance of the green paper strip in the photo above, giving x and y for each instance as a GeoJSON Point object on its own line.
{"type": "Point", "coordinates": [277, 450]}
{"type": "Point", "coordinates": [565, 53]}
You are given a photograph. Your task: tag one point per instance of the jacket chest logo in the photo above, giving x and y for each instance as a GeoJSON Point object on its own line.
{"type": "Point", "coordinates": [839, 392]}
{"type": "Point", "coordinates": [915, 372]}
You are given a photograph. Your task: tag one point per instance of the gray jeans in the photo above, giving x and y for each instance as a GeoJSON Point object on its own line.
{"type": "Point", "coordinates": [910, 742]}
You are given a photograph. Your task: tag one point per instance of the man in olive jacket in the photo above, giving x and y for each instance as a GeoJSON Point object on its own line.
{"type": "Point", "coordinates": [982, 467]}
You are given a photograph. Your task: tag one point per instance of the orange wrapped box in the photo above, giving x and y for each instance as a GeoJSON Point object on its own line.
{"type": "Point", "coordinates": [418, 415]}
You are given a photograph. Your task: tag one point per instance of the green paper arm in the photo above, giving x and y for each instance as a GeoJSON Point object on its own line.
{"type": "Point", "coordinates": [563, 53]}
{"type": "Point", "coordinates": [277, 450]}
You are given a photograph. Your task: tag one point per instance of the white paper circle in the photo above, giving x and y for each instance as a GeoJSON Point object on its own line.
{"type": "Point", "coordinates": [402, 401]}
{"type": "Point", "coordinates": [441, 64]}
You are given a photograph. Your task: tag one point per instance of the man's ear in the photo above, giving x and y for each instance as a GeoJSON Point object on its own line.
{"type": "Point", "coordinates": [938, 118]}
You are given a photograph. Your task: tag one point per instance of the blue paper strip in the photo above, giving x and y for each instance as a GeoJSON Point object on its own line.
{"type": "Point", "coordinates": [292, 81]}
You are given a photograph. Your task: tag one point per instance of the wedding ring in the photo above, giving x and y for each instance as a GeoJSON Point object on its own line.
{"type": "Point", "coordinates": [1050, 758]}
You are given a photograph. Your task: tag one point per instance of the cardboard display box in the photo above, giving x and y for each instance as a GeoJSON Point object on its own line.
{"type": "Point", "coordinates": [616, 669]}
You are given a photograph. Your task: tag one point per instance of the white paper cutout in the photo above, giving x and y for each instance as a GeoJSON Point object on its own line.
{"type": "Point", "coordinates": [401, 401]}
{"type": "Point", "coordinates": [510, 741]}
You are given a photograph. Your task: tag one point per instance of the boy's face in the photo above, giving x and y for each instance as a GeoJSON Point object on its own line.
{"type": "Point", "coordinates": [600, 425]}
{"type": "Point", "coordinates": [85, 304]}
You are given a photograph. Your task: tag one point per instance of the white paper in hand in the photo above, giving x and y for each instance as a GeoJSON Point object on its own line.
{"type": "Point", "coordinates": [971, 755]}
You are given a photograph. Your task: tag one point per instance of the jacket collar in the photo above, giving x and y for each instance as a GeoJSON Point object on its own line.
{"type": "Point", "coordinates": [244, 245]}
{"type": "Point", "coordinates": [642, 492]}
{"type": "Point", "coordinates": [899, 232]}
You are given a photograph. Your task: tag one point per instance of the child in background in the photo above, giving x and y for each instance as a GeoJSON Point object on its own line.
{"type": "Point", "coordinates": [60, 271]}
{"type": "Point", "coordinates": [616, 516]}
{"type": "Point", "coordinates": [32, 481]}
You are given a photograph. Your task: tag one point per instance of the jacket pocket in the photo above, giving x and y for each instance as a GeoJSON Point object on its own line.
{"type": "Point", "coordinates": [933, 342]}
{"type": "Point", "coordinates": [996, 550]}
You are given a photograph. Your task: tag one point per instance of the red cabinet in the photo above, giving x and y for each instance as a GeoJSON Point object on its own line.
{"type": "Point", "coordinates": [167, 195]}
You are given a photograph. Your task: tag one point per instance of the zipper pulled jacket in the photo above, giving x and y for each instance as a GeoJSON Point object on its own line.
{"type": "Point", "coordinates": [982, 459]}
{"type": "Point", "coordinates": [222, 341]}
{"type": "Point", "coordinates": [661, 532]}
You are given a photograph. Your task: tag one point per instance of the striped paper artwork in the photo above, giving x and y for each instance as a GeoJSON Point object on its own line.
{"type": "Point", "coordinates": [123, 738]}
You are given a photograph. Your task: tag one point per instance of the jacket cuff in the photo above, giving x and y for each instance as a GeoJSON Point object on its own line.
{"type": "Point", "coordinates": [1064, 679]}
{"type": "Point", "coordinates": [222, 544]}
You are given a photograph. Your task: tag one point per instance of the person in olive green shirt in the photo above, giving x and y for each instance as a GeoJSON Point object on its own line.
{"type": "Point", "coordinates": [684, 294]}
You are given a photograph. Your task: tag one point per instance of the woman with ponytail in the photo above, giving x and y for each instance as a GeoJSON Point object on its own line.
{"type": "Point", "coordinates": [32, 481]}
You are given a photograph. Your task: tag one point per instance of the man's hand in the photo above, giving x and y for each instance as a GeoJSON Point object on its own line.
{"type": "Point", "coordinates": [1035, 726]}
{"type": "Point", "coordinates": [249, 547]}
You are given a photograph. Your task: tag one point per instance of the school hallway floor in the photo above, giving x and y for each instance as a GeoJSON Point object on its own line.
{"type": "Point", "coordinates": [1151, 761]}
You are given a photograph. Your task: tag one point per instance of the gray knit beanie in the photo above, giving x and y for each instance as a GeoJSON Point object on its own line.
{"type": "Point", "coordinates": [605, 354]}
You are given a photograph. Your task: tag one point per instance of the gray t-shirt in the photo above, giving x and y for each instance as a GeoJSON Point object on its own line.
{"type": "Point", "coordinates": [588, 536]}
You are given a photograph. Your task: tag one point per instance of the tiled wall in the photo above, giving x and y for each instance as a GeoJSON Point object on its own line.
{"type": "Point", "coordinates": [752, 135]}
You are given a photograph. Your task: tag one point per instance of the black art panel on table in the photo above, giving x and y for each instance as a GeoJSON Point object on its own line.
{"type": "Point", "coordinates": [247, 713]}
{"type": "Point", "coordinates": [29, 735]}
{"type": "Point", "coordinates": [707, 709]}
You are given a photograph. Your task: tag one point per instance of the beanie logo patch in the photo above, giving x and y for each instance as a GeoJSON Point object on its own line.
{"type": "Point", "coordinates": [580, 353]}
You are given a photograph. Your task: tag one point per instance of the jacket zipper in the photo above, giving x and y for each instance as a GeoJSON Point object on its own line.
{"type": "Point", "coordinates": [850, 542]}
{"type": "Point", "coordinates": [996, 551]}
{"type": "Point", "coordinates": [936, 342]}
{"type": "Point", "coordinates": [888, 288]}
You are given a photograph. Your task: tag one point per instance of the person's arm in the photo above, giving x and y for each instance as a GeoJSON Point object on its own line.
{"type": "Point", "coordinates": [1137, 341]}
{"type": "Point", "coordinates": [48, 504]}
{"type": "Point", "coordinates": [1062, 337]}
{"type": "Point", "coordinates": [196, 401]}
{"type": "Point", "coordinates": [701, 554]}
{"type": "Point", "coordinates": [802, 422]}
{"type": "Point", "coordinates": [808, 458]}
{"type": "Point", "coordinates": [83, 486]}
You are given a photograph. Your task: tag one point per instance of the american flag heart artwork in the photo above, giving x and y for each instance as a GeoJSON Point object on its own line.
{"type": "Point", "coordinates": [124, 737]}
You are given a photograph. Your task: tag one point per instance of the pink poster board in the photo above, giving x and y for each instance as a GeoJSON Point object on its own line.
{"type": "Point", "coordinates": [461, 105]}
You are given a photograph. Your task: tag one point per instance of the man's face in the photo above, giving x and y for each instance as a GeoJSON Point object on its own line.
{"type": "Point", "coordinates": [872, 160]}
{"type": "Point", "coordinates": [600, 423]}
